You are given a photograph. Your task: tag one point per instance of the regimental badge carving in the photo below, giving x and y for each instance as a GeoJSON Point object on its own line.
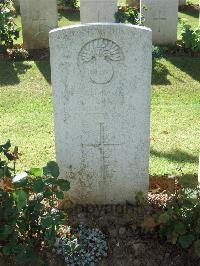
{"type": "Point", "coordinates": [98, 57]}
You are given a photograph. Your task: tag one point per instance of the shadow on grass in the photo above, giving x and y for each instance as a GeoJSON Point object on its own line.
{"type": "Point", "coordinates": [69, 15]}
{"type": "Point", "coordinates": [9, 72]}
{"type": "Point", "coordinates": [189, 65]}
{"type": "Point", "coordinates": [190, 11]}
{"type": "Point", "coordinates": [176, 156]}
{"type": "Point", "coordinates": [159, 74]}
{"type": "Point", "coordinates": [44, 68]}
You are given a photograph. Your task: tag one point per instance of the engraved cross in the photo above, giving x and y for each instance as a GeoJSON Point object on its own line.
{"type": "Point", "coordinates": [101, 146]}
{"type": "Point", "coordinates": [159, 18]}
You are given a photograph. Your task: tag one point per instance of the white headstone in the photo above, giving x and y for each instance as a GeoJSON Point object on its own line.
{"type": "Point", "coordinates": [38, 18]}
{"type": "Point", "coordinates": [98, 10]}
{"type": "Point", "coordinates": [101, 77]}
{"type": "Point", "coordinates": [162, 17]}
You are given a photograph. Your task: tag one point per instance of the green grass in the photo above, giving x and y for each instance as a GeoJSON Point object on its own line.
{"type": "Point", "coordinates": [27, 116]}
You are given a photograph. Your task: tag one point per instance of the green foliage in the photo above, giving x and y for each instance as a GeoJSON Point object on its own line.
{"type": "Point", "coordinates": [157, 52]}
{"type": "Point", "coordinates": [18, 54]}
{"type": "Point", "coordinates": [69, 3]}
{"type": "Point", "coordinates": [179, 221]}
{"type": "Point", "coordinates": [128, 15]}
{"type": "Point", "coordinates": [8, 30]}
{"type": "Point", "coordinates": [87, 249]}
{"type": "Point", "coordinates": [190, 38]}
{"type": "Point", "coordinates": [28, 200]}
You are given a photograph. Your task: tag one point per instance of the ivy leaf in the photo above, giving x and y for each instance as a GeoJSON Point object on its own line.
{"type": "Point", "coordinates": [51, 169]}
{"type": "Point", "coordinates": [197, 247]}
{"type": "Point", "coordinates": [38, 186]}
{"type": "Point", "coordinates": [37, 172]}
{"type": "Point", "coordinates": [139, 197]}
{"type": "Point", "coordinates": [186, 240]}
{"type": "Point", "coordinates": [63, 184]}
{"type": "Point", "coordinates": [60, 195]}
{"type": "Point", "coordinates": [20, 198]}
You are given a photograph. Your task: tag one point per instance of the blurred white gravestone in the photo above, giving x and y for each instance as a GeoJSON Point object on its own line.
{"type": "Point", "coordinates": [97, 10]}
{"type": "Point", "coordinates": [101, 78]}
{"type": "Point", "coordinates": [38, 18]}
{"type": "Point", "coordinates": [162, 17]}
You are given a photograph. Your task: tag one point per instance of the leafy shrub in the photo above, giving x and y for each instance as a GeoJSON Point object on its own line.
{"type": "Point", "coordinates": [127, 15]}
{"type": "Point", "coordinates": [191, 38]}
{"type": "Point", "coordinates": [86, 249]}
{"type": "Point", "coordinates": [157, 51]}
{"type": "Point", "coordinates": [69, 3]}
{"type": "Point", "coordinates": [179, 221]}
{"type": "Point", "coordinates": [29, 216]}
{"type": "Point", "coordinates": [8, 30]}
{"type": "Point", "coordinates": [18, 54]}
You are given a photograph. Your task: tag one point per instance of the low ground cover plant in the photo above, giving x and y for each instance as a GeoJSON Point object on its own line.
{"type": "Point", "coordinates": [68, 3]}
{"type": "Point", "coordinates": [29, 214]}
{"type": "Point", "coordinates": [178, 221]}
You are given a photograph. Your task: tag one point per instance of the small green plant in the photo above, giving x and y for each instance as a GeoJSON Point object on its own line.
{"type": "Point", "coordinates": [8, 30]}
{"type": "Point", "coordinates": [190, 38]}
{"type": "Point", "coordinates": [127, 15]}
{"type": "Point", "coordinates": [178, 222]}
{"type": "Point", "coordinates": [86, 247]}
{"type": "Point", "coordinates": [29, 215]}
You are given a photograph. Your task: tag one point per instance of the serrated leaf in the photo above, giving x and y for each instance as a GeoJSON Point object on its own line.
{"type": "Point", "coordinates": [60, 195]}
{"type": "Point", "coordinates": [63, 184]}
{"type": "Point", "coordinates": [38, 186]}
{"type": "Point", "coordinates": [38, 172]}
{"type": "Point", "coordinates": [197, 247]}
{"type": "Point", "coordinates": [186, 240]}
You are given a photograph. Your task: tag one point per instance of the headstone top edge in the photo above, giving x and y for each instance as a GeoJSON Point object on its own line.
{"type": "Point", "coordinates": [88, 25]}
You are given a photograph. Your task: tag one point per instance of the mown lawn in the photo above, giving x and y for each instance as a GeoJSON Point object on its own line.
{"type": "Point", "coordinates": [26, 115]}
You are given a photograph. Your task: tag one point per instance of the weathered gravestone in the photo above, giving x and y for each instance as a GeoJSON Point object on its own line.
{"type": "Point", "coordinates": [101, 77]}
{"type": "Point", "coordinates": [98, 10]}
{"type": "Point", "coordinates": [38, 18]}
{"type": "Point", "coordinates": [182, 2]}
{"type": "Point", "coordinates": [162, 17]}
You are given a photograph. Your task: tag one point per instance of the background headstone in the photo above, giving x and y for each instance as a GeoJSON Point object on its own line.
{"type": "Point", "coordinates": [38, 18]}
{"type": "Point", "coordinates": [182, 2]}
{"type": "Point", "coordinates": [101, 77]}
{"type": "Point", "coordinates": [162, 17]}
{"type": "Point", "coordinates": [98, 10]}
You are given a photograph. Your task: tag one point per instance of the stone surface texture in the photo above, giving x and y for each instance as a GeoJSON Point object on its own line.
{"type": "Point", "coordinates": [101, 77]}
{"type": "Point", "coordinates": [98, 10]}
{"type": "Point", "coordinates": [38, 18]}
{"type": "Point", "coordinates": [182, 2]}
{"type": "Point", "coordinates": [162, 17]}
